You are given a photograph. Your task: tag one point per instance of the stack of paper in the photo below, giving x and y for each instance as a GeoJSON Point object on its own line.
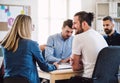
{"type": "Point", "coordinates": [64, 66]}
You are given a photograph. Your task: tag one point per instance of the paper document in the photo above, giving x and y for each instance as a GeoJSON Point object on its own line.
{"type": "Point", "coordinates": [64, 66]}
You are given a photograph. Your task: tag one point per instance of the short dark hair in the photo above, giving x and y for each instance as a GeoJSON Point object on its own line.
{"type": "Point", "coordinates": [108, 18]}
{"type": "Point", "coordinates": [85, 16]}
{"type": "Point", "coordinates": [68, 23]}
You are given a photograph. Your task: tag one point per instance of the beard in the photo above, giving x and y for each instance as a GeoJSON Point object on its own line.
{"type": "Point", "coordinates": [108, 31]}
{"type": "Point", "coordinates": [79, 31]}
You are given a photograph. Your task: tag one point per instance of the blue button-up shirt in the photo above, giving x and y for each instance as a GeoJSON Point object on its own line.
{"type": "Point", "coordinates": [58, 48]}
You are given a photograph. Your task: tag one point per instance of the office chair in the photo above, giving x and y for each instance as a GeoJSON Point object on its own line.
{"type": "Point", "coordinates": [16, 80]}
{"type": "Point", "coordinates": [1, 64]}
{"type": "Point", "coordinates": [1, 51]}
{"type": "Point", "coordinates": [107, 65]}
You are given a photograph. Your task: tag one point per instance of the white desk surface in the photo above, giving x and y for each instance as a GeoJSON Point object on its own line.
{"type": "Point", "coordinates": [58, 74]}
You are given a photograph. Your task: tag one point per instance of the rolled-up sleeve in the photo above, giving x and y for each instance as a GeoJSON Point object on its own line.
{"type": "Point", "coordinates": [49, 51]}
{"type": "Point", "coordinates": [40, 60]}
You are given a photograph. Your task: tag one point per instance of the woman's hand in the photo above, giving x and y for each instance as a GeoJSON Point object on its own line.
{"type": "Point", "coordinates": [56, 64]}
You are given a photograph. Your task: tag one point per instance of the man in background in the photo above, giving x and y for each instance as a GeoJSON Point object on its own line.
{"type": "Point", "coordinates": [58, 48]}
{"type": "Point", "coordinates": [112, 37]}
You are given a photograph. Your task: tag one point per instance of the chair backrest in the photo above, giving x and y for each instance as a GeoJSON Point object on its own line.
{"type": "Point", "coordinates": [107, 65]}
{"type": "Point", "coordinates": [16, 80]}
{"type": "Point", "coordinates": [1, 56]}
{"type": "Point", "coordinates": [1, 52]}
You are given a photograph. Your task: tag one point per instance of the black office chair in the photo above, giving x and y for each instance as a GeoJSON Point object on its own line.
{"type": "Point", "coordinates": [16, 80]}
{"type": "Point", "coordinates": [107, 65]}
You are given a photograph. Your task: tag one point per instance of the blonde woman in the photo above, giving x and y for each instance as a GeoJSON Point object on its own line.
{"type": "Point", "coordinates": [21, 53]}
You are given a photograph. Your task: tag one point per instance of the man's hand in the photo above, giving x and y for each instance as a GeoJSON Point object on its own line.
{"type": "Point", "coordinates": [67, 60]}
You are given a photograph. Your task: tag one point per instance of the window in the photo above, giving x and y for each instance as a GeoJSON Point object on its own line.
{"type": "Point", "coordinates": [52, 13]}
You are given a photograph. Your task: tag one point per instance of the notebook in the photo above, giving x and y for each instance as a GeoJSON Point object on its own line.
{"type": "Point", "coordinates": [64, 66]}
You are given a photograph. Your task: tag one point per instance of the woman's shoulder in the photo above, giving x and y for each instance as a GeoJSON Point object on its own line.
{"type": "Point", "coordinates": [28, 41]}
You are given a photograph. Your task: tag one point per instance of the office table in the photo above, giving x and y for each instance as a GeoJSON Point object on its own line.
{"type": "Point", "coordinates": [58, 74]}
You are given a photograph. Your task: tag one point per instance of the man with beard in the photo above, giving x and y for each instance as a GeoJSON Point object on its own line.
{"type": "Point", "coordinates": [112, 37]}
{"type": "Point", "coordinates": [87, 43]}
{"type": "Point", "coordinates": [59, 46]}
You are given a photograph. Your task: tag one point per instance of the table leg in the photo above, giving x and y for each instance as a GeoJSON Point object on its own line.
{"type": "Point", "coordinates": [52, 79]}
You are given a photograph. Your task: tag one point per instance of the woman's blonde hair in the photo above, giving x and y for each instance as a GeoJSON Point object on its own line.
{"type": "Point", "coordinates": [21, 29]}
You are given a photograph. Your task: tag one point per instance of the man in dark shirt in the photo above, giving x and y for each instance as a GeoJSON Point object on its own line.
{"type": "Point", "coordinates": [112, 37]}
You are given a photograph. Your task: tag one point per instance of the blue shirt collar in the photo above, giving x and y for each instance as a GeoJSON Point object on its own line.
{"type": "Point", "coordinates": [60, 35]}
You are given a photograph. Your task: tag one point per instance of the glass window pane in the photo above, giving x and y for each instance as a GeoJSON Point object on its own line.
{"type": "Point", "coordinates": [43, 8]}
{"type": "Point", "coordinates": [58, 8]}
{"type": "Point", "coordinates": [56, 26]}
{"type": "Point", "coordinates": [74, 6]}
{"type": "Point", "coordinates": [43, 31]}
{"type": "Point", "coordinates": [51, 13]}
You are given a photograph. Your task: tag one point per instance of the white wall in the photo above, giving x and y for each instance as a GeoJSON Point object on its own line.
{"type": "Point", "coordinates": [88, 5]}
{"type": "Point", "coordinates": [33, 4]}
